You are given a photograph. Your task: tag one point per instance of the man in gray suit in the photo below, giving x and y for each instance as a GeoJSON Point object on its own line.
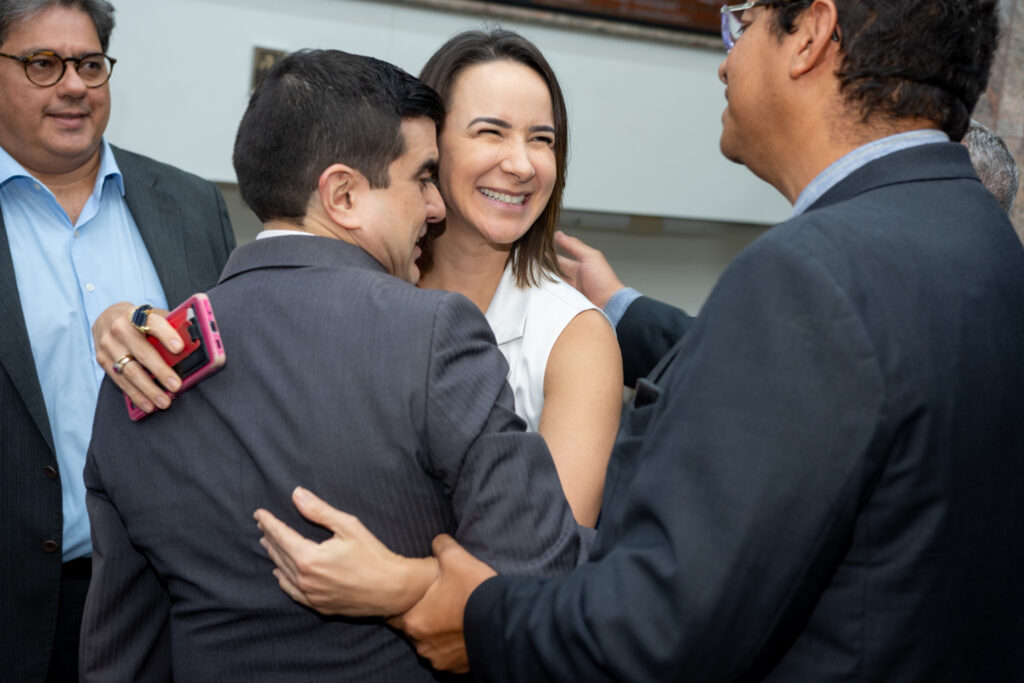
{"type": "Point", "coordinates": [340, 372]}
{"type": "Point", "coordinates": [82, 225]}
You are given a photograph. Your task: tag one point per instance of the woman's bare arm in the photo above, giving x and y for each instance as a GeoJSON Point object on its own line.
{"type": "Point", "coordinates": [582, 404]}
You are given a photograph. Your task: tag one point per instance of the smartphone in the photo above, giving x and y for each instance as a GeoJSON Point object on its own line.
{"type": "Point", "coordinates": [203, 354]}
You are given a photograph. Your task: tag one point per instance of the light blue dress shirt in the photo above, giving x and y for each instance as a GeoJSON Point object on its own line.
{"type": "Point", "coordinates": [67, 275]}
{"type": "Point", "coordinates": [616, 306]}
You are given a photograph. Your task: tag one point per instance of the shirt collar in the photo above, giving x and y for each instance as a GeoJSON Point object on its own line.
{"type": "Point", "coordinates": [847, 164]}
{"type": "Point", "coordinates": [506, 313]}
{"type": "Point", "coordinates": [9, 168]}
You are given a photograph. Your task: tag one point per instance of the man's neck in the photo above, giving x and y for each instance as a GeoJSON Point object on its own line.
{"type": "Point", "coordinates": [833, 142]}
{"type": "Point", "coordinates": [72, 187]}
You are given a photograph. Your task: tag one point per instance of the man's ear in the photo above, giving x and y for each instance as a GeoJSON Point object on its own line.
{"type": "Point", "coordinates": [816, 29]}
{"type": "Point", "coordinates": [340, 191]}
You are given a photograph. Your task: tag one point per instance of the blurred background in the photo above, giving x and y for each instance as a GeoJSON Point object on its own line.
{"type": "Point", "coordinates": [646, 182]}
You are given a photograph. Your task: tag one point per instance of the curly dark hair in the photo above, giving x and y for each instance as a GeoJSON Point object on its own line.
{"type": "Point", "coordinates": [911, 58]}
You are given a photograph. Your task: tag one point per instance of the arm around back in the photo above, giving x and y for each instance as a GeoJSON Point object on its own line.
{"type": "Point", "coordinates": [502, 482]}
{"type": "Point", "coordinates": [735, 514]}
{"type": "Point", "coordinates": [646, 333]}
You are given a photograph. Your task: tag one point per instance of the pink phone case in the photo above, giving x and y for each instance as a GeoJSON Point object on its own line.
{"type": "Point", "coordinates": [203, 354]}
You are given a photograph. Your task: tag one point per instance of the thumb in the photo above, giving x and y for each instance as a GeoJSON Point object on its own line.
{"type": "Point", "coordinates": [319, 511]}
{"type": "Point", "coordinates": [443, 543]}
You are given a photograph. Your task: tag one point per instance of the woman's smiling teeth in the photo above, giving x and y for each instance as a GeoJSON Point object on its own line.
{"type": "Point", "coordinates": [513, 199]}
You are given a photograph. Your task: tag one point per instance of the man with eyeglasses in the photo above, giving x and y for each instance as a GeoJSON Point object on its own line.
{"type": "Point", "coordinates": [821, 481]}
{"type": "Point", "coordinates": [84, 225]}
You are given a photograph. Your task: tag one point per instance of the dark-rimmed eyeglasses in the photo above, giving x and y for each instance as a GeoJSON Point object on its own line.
{"type": "Point", "coordinates": [732, 20]}
{"type": "Point", "coordinates": [46, 67]}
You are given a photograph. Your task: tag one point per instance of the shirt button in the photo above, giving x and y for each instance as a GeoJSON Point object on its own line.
{"type": "Point", "coordinates": [50, 546]}
{"type": "Point", "coordinates": [50, 472]}
{"type": "Point", "coordinates": [89, 287]}
{"type": "Point", "coordinates": [76, 233]}
{"type": "Point", "coordinates": [37, 186]}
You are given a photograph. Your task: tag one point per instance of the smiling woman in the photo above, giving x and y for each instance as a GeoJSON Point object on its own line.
{"type": "Point", "coordinates": [502, 166]}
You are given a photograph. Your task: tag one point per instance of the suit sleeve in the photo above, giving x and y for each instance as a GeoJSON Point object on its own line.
{"type": "Point", "coordinates": [502, 482]}
{"type": "Point", "coordinates": [751, 457]}
{"type": "Point", "coordinates": [647, 331]}
{"type": "Point", "coordinates": [126, 626]}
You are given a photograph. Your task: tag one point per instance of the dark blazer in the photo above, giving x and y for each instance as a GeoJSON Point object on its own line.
{"type": "Point", "coordinates": [387, 400]}
{"type": "Point", "coordinates": [647, 331]}
{"type": "Point", "coordinates": [184, 224]}
{"type": "Point", "coordinates": [822, 481]}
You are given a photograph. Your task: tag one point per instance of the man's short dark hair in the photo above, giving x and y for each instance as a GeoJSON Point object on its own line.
{"type": "Point", "coordinates": [993, 163]}
{"type": "Point", "coordinates": [13, 12]}
{"type": "Point", "coordinates": [905, 59]}
{"type": "Point", "coordinates": [316, 108]}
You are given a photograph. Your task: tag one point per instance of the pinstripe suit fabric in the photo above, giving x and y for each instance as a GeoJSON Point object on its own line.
{"type": "Point", "coordinates": [387, 400]}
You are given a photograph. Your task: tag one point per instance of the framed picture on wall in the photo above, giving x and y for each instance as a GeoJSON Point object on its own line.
{"type": "Point", "coordinates": [686, 15]}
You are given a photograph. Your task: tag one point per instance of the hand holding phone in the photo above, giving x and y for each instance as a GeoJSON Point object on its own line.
{"type": "Point", "coordinates": [203, 352]}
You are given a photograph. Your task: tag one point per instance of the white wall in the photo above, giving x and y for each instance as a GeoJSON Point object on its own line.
{"type": "Point", "coordinates": [644, 117]}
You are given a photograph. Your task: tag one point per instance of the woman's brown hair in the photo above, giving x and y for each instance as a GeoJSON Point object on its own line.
{"type": "Point", "coordinates": [533, 254]}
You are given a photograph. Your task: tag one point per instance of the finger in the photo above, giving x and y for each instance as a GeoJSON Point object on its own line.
{"type": "Point", "coordinates": [283, 561]}
{"type": "Point", "coordinates": [121, 337]}
{"type": "Point", "coordinates": [140, 387]}
{"type": "Point", "coordinates": [287, 542]}
{"type": "Point", "coordinates": [280, 560]}
{"type": "Point", "coordinates": [291, 589]}
{"type": "Point", "coordinates": [443, 543]}
{"type": "Point", "coordinates": [163, 331]}
{"type": "Point", "coordinates": [149, 358]}
{"type": "Point", "coordinates": [126, 385]}
{"type": "Point", "coordinates": [570, 269]}
{"type": "Point", "coordinates": [573, 247]}
{"type": "Point", "coordinates": [319, 511]}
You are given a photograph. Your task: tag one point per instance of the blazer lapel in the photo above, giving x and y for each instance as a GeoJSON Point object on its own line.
{"type": "Point", "coordinates": [15, 349]}
{"type": "Point", "coordinates": [159, 221]}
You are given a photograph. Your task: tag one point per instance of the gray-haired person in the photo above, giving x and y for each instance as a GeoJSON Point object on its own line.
{"type": "Point", "coordinates": [995, 165]}
{"type": "Point", "coordinates": [83, 226]}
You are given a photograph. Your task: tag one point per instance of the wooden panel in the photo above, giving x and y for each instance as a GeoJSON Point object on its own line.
{"type": "Point", "coordinates": [693, 15]}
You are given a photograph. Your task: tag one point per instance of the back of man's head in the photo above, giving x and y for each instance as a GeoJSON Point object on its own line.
{"type": "Point", "coordinates": [911, 59]}
{"type": "Point", "coordinates": [316, 108]}
{"type": "Point", "coordinates": [993, 163]}
{"type": "Point", "coordinates": [13, 12]}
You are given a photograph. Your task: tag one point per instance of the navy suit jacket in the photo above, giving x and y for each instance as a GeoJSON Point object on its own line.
{"type": "Point", "coordinates": [821, 482]}
{"type": "Point", "coordinates": [647, 331]}
{"type": "Point", "coordinates": [387, 400]}
{"type": "Point", "coordinates": [185, 226]}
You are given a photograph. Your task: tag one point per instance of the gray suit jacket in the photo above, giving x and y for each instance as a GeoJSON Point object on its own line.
{"type": "Point", "coordinates": [387, 400]}
{"type": "Point", "coordinates": [184, 224]}
{"type": "Point", "coordinates": [821, 482]}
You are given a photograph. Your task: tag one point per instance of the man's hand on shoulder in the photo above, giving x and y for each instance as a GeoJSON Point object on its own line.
{"type": "Point", "coordinates": [116, 339]}
{"type": "Point", "coordinates": [587, 269]}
